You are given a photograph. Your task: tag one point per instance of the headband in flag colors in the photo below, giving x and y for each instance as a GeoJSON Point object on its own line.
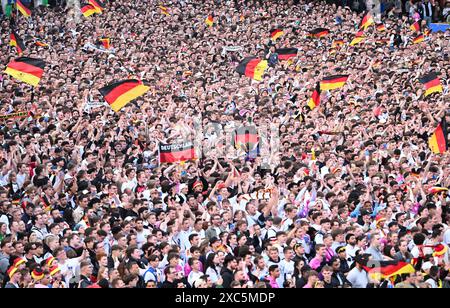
{"type": "Point", "coordinates": [252, 67]}
{"type": "Point", "coordinates": [11, 271]}
{"type": "Point", "coordinates": [366, 21]}
{"type": "Point", "coordinates": [106, 42]}
{"type": "Point", "coordinates": [357, 40]}
{"type": "Point", "coordinates": [319, 32]}
{"type": "Point", "coordinates": [438, 142]}
{"type": "Point", "coordinates": [419, 39]}
{"type": "Point", "coordinates": [176, 152]}
{"type": "Point", "coordinates": [98, 6]}
{"type": "Point", "coordinates": [246, 138]}
{"type": "Point", "coordinates": [88, 10]}
{"type": "Point", "coordinates": [54, 270]}
{"type": "Point", "coordinates": [286, 53]}
{"type": "Point", "coordinates": [23, 9]}
{"type": "Point", "coordinates": [314, 101]}
{"type": "Point", "coordinates": [118, 94]}
{"type": "Point", "coordinates": [28, 70]}
{"type": "Point", "coordinates": [432, 84]}
{"type": "Point", "coordinates": [387, 269]}
{"type": "Point", "coordinates": [415, 27]}
{"type": "Point", "coordinates": [276, 33]}
{"type": "Point", "coordinates": [333, 82]}
{"type": "Point", "coordinates": [337, 43]}
{"type": "Point", "coordinates": [37, 274]}
{"type": "Point", "coordinates": [164, 10]}
{"type": "Point", "coordinates": [209, 21]}
{"type": "Point", "coordinates": [381, 27]}
{"type": "Point", "coordinates": [17, 42]}
{"type": "Point", "coordinates": [436, 189]}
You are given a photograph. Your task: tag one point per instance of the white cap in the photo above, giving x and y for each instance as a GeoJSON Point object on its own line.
{"type": "Point", "coordinates": [426, 266]}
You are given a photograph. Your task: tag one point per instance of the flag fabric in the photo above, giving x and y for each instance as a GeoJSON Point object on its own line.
{"type": "Point", "coordinates": [106, 42]}
{"type": "Point", "coordinates": [381, 27]}
{"type": "Point", "coordinates": [164, 10]}
{"type": "Point", "coordinates": [98, 6]}
{"type": "Point", "coordinates": [252, 67]}
{"type": "Point", "coordinates": [209, 21]}
{"type": "Point", "coordinates": [438, 142]}
{"type": "Point", "coordinates": [333, 82]}
{"type": "Point", "coordinates": [15, 115]}
{"type": "Point", "coordinates": [432, 84]}
{"type": "Point", "coordinates": [28, 70]}
{"type": "Point", "coordinates": [314, 101]}
{"type": "Point", "coordinates": [319, 32]}
{"type": "Point", "coordinates": [427, 32]}
{"type": "Point", "coordinates": [337, 43]}
{"type": "Point", "coordinates": [387, 269]}
{"type": "Point", "coordinates": [415, 27]}
{"type": "Point", "coordinates": [286, 53]}
{"type": "Point", "coordinates": [419, 39]}
{"type": "Point", "coordinates": [366, 21]}
{"type": "Point", "coordinates": [23, 9]}
{"type": "Point", "coordinates": [43, 2]}
{"type": "Point", "coordinates": [17, 42]}
{"type": "Point", "coordinates": [40, 44]}
{"type": "Point", "coordinates": [275, 34]}
{"type": "Point", "coordinates": [436, 189]}
{"type": "Point", "coordinates": [176, 152]}
{"type": "Point", "coordinates": [382, 41]}
{"type": "Point", "coordinates": [88, 10]}
{"type": "Point", "coordinates": [246, 138]}
{"type": "Point", "coordinates": [359, 33]}
{"type": "Point", "coordinates": [357, 40]}
{"type": "Point", "coordinates": [118, 94]}
{"type": "Point", "coordinates": [8, 10]}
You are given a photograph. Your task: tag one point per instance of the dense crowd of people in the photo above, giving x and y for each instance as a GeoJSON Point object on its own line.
{"type": "Point", "coordinates": [353, 184]}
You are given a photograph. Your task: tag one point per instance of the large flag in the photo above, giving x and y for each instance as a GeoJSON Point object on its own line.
{"type": "Point", "coordinates": [23, 9]}
{"type": "Point", "coordinates": [246, 138]}
{"type": "Point", "coordinates": [209, 21]}
{"type": "Point", "coordinates": [319, 32]}
{"type": "Point", "coordinates": [387, 269]}
{"type": "Point", "coordinates": [432, 84]}
{"type": "Point", "coordinates": [98, 6]}
{"type": "Point", "coordinates": [366, 21]}
{"type": "Point", "coordinates": [17, 42]}
{"type": "Point", "coordinates": [176, 152]}
{"type": "Point", "coordinates": [118, 94]}
{"type": "Point", "coordinates": [252, 67]}
{"type": "Point", "coordinates": [276, 33]}
{"type": "Point", "coordinates": [314, 101]}
{"type": "Point", "coordinates": [415, 27]}
{"type": "Point", "coordinates": [286, 53]}
{"type": "Point", "coordinates": [419, 39]}
{"type": "Point", "coordinates": [357, 40]}
{"type": "Point", "coordinates": [333, 82]}
{"type": "Point", "coordinates": [28, 70]}
{"type": "Point", "coordinates": [88, 10]}
{"type": "Point", "coordinates": [438, 142]}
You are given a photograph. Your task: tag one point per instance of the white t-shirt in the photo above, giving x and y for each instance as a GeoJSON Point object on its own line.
{"type": "Point", "coordinates": [141, 237]}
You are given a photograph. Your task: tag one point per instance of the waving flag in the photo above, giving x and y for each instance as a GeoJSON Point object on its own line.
{"type": "Point", "coordinates": [438, 142]}
{"type": "Point", "coordinates": [387, 269]}
{"type": "Point", "coordinates": [209, 21]}
{"type": "Point", "coordinates": [17, 42]}
{"type": "Point", "coordinates": [275, 34]}
{"type": "Point", "coordinates": [28, 70]}
{"type": "Point", "coordinates": [415, 27]}
{"type": "Point", "coordinates": [252, 67]}
{"type": "Point", "coordinates": [432, 84]}
{"type": "Point", "coordinates": [23, 9]}
{"type": "Point", "coordinates": [88, 10]}
{"type": "Point", "coordinates": [164, 10]}
{"type": "Point", "coordinates": [286, 53]}
{"type": "Point", "coordinates": [419, 39]}
{"type": "Point", "coordinates": [319, 32]}
{"type": "Point", "coordinates": [106, 42]}
{"type": "Point", "coordinates": [381, 27]}
{"type": "Point", "coordinates": [366, 21]}
{"type": "Point", "coordinates": [118, 94]}
{"type": "Point", "coordinates": [314, 101]}
{"type": "Point", "coordinates": [176, 152]}
{"type": "Point", "coordinates": [333, 82]}
{"type": "Point", "coordinates": [357, 40]}
{"type": "Point", "coordinates": [98, 6]}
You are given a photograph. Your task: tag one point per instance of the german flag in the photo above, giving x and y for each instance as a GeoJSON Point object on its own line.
{"type": "Point", "coordinates": [332, 51]}
{"type": "Point", "coordinates": [432, 84]}
{"type": "Point", "coordinates": [319, 32]}
{"type": "Point", "coordinates": [252, 67]}
{"type": "Point", "coordinates": [88, 10]}
{"type": "Point", "coordinates": [333, 82]}
{"type": "Point", "coordinates": [246, 137]}
{"type": "Point", "coordinates": [98, 6]}
{"type": "Point", "coordinates": [427, 32]}
{"type": "Point", "coordinates": [275, 34]}
{"type": "Point", "coordinates": [366, 21]}
{"type": "Point", "coordinates": [381, 27]}
{"type": "Point", "coordinates": [337, 43]}
{"type": "Point", "coordinates": [176, 152]}
{"type": "Point", "coordinates": [381, 41]}
{"type": "Point", "coordinates": [40, 44]}
{"type": "Point", "coordinates": [164, 10]}
{"type": "Point", "coordinates": [286, 53]}
{"type": "Point", "coordinates": [314, 101]}
{"type": "Point", "coordinates": [438, 142]}
{"type": "Point", "coordinates": [419, 39]}
{"type": "Point", "coordinates": [415, 27]}
{"type": "Point", "coordinates": [209, 21]}
{"type": "Point", "coordinates": [23, 9]}
{"type": "Point", "coordinates": [357, 40]}
{"type": "Point", "coordinates": [118, 94]}
{"type": "Point", "coordinates": [436, 189]}
{"type": "Point", "coordinates": [17, 42]}
{"type": "Point", "coordinates": [387, 269]}
{"type": "Point", "coordinates": [359, 33]}
{"type": "Point", "coordinates": [106, 42]}
{"type": "Point", "coordinates": [25, 69]}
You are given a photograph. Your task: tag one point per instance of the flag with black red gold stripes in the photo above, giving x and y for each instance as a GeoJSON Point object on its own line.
{"type": "Point", "coordinates": [118, 94]}
{"type": "Point", "coordinates": [28, 70]}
